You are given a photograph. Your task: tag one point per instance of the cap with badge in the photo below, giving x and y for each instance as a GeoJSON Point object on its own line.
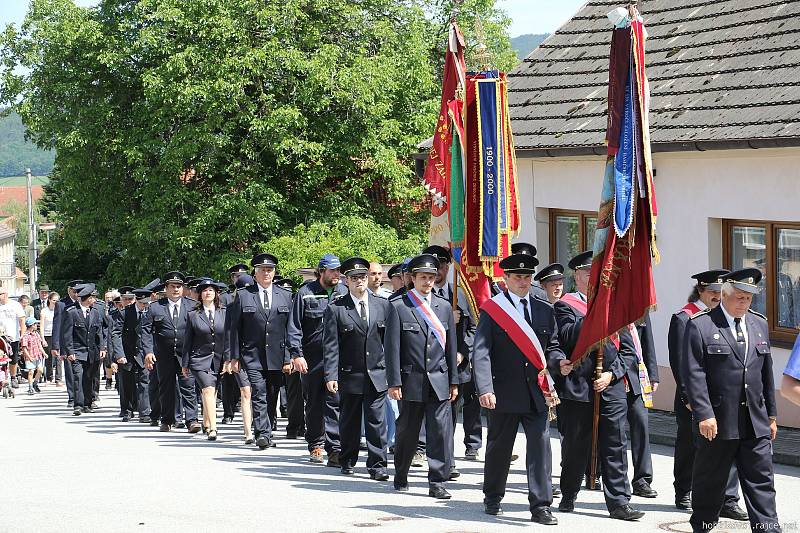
{"type": "Point", "coordinates": [355, 266]}
{"type": "Point", "coordinates": [264, 260]}
{"type": "Point", "coordinates": [86, 290]}
{"type": "Point", "coordinates": [174, 277]}
{"type": "Point", "coordinates": [126, 292]}
{"type": "Point", "coordinates": [519, 264]}
{"type": "Point", "coordinates": [423, 264]}
{"type": "Point", "coordinates": [152, 285]}
{"type": "Point", "coordinates": [523, 248]}
{"type": "Point", "coordinates": [396, 270]}
{"type": "Point", "coordinates": [552, 272]}
{"type": "Point", "coordinates": [746, 279]}
{"type": "Point", "coordinates": [286, 283]}
{"type": "Point", "coordinates": [329, 262]}
{"type": "Point", "coordinates": [439, 252]}
{"type": "Point", "coordinates": [74, 283]}
{"type": "Point", "coordinates": [238, 268]}
{"type": "Point", "coordinates": [142, 293]}
{"type": "Point", "coordinates": [204, 283]}
{"type": "Point", "coordinates": [711, 279]}
{"type": "Point", "coordinates": [580, 261]}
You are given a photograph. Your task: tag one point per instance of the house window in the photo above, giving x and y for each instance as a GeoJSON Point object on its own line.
{"type": "Point", "coordinates": [773, 248]}
{"type": "Point", "coordinates": [571, 232]}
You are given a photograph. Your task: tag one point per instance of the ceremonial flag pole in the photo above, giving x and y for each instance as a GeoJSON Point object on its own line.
{"type": "Point", "coordinates": [621, 288]}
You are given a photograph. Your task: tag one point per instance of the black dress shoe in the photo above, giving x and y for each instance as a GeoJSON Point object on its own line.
{"type": "Point", "coordinates": [154, 422]}
{"type": "Point", "coordinates": [644, 490]}
{"type": "Point", "coordinates": [626, 512]}
{"type": "Point", "coordinates": [77, 411]}
{"type": "Point", "coordinates": [734, 512]}
{"type": "Point", "coordinates": [165, 427]}
{"type": "Point", "coordinates": [567, 504]}
{"type": "Point", "coordinates": [380, 475]}
{"type": "Point", "coordinates": [492, 508]}
{"type": "Point", "coordinates": [263, 443]}
{"type": "Point", "coordinates": [544, 517]}
{"type": "Point", "coordinates": [400, 487]}
{"type": "Point", "coordinates": [126, 418]}
{"type": "Point", "coordinates": [440, 493]}
{"type": "Point", "coordinates": [684, 501]}
{"type": "Point", "coordinates": [454, 474]}
{"type": "Point", "coordinates": [348, 470]}
{"type": "Point", "coordinates": [144, 420]}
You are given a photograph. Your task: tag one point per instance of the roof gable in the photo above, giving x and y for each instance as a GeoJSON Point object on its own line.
{"type": "Point", "coordinates": [722, 73]}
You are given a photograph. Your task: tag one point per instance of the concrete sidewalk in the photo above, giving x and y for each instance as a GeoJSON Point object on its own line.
{"type": "Point", "coordinates": [95, 473]}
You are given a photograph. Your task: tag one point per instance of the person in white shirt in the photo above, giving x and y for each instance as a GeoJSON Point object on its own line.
{"type": "Point", "coordinates": [12, 320]}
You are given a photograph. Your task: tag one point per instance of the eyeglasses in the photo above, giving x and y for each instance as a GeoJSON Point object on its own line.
{"type": "Point", "coordinates": [358, 277]}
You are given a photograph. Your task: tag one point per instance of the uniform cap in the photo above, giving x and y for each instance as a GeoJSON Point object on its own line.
{"type": "Point", "coordinates": [423, 263]}
{"type": "Point", "coordinates": [355, 266]}
{"type": "Point", "coordinates": [396, 270]}
{"type": "Point", "coordinates": [582, 260]}
{"type": "Point", "coordinates": [711, 279]}
{"type": "Point", "coordinates": [519, 264]}
{"type": "Point", "coordinates": [238, 268]}
{"type": "Point", "coordinates": [439, 252]}
{"type": "Point", "coordinates": [745, 279]}
{"type": "Point", "coordinates": [174, 277]}
{"type": "Point", "coordinates": [523, 248]}
{"type": "Point", "coordinates": [551, 272]}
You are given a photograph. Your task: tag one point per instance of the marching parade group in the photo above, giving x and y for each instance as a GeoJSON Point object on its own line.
{"type": "Point", "coordinates": [343, 359]}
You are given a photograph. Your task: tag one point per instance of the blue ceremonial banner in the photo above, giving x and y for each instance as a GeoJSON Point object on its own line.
{"type": "Point", "coordinates": [625, 165]}
{"type": "Point", "coordinates": [491, 176]}
{"type": "Point", "coordinates": [793, 366]}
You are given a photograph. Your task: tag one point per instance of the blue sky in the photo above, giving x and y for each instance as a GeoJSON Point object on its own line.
{"type": "Point", "coordinates": [528, 16]}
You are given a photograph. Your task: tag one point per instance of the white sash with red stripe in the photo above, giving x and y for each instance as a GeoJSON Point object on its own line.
{"type": "Point", "coordinates": [426, 313]}
{"type": "Point", "coordinates": [521, 334]}
{"type": "Point", "coordinates": [574, 301]}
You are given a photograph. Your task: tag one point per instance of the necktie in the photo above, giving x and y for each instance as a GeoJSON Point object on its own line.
{"type": "Point", "coordinates": [363, 311]}
{"type": "Point", "coordinates": [211, 317]}
{"type": "Point", "coordinates": [86, 314]}
{"type": "Point", "coordinates": [266, 301]}
{"type": "Point", "coordinates": [524, 303]}
{"type": "Point", "coordinates": [441, 292]}
{"type": "Point", "coordinates": [175, 312]}
{"type": "Point", "coordinates": [139, 316]}
{"type": "Point", "coordinates": [737, 322]}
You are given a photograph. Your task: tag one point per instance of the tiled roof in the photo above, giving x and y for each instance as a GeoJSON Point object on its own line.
{"type": "Point", "coordinates": [723, 74]}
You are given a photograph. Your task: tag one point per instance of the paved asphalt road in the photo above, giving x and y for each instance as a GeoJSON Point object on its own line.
{"type": "Point", "coordinates": [95, 473]}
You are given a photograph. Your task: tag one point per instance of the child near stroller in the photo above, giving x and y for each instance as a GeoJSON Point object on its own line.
{"type": "Point", "coordinates": [5, 379]}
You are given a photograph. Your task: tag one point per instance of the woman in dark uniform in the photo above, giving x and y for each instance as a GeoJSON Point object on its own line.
{"type": "Point", "coordinates": [205, 347]}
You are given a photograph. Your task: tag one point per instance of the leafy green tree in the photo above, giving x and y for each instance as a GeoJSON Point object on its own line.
{"type": "Point", "coordinates": [187, 133]}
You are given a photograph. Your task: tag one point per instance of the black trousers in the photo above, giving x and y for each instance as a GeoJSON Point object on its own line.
{"type": "Point", "coordinates": [640, 440]}
{"type": "Point", "coordinates": [127, 390]}
{"type": "Point", "coordinates": [260, 388]}
{"type": "Point", "coordinates": [538, 457]}
{"type": "Point", "coordinates": [229, 389]}
{"type": "Point", "coordinates": [712, 466]}
{"type": "Point", "coordinates": [142, 379]}
{"type": "Point", "coordinates": [322, 413]}
{"type": "Point", "coordinates": [69, 379]}
{"type": "Point", "coordinates": [274, 382]}
{"type": "Point", "coordinates": [170, 379]}
{"type": "Point", "coordinates": [83, 382]}
{"type": "Point", "coordinates": [371, 408]}
{"type": "Point", "coordinates": [152, 394]}
{"type": "Point", "coordinates": [295, 404]}
{"type": "Point", "coordinates": [439, 441]}
{"type": "Point", "coordinates": [576, 449]}
{"type": "Point", "coordinates": [470, 408]}
{"type": "Point", "coordinates": [684, 459]}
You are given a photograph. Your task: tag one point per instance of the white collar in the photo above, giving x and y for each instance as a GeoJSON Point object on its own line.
{"type": "Point", "coordinates": [729, 318]}
{"type": "Point", "coordinates": [208, 308]}
{"type": "Point", "coordinates": [517, 299]}
{"type": "Point", "coordinates": [701, 305]}
{"type": "Point", "coordinates": [364, 298]}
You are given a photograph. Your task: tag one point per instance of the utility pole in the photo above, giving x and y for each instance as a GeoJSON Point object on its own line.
{"type": "Point", "coordinates": [32, 245]}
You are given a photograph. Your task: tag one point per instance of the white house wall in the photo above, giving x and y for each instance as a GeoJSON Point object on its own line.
{"type": "Point", "coordinates": [695, 191]}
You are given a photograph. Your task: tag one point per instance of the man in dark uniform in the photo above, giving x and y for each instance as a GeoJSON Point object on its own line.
{"type": "Point", "coordinates": [705, 295]}
{"type": "Point", "coordinates": [395, 275]}
{"type": "Point", "coordinates": [465, 330]}
{"type": "Point", "coordinates": [507, 372]}
{"type": "Point", "coordinates": [577, 393]}
{"type": "Point", "coordinates": [727, 371]}
{"type": "Point", "coordinates": [291, 394]}
{"type": "Point", "coordinates": [305, 347]}
{"type": "Point", "coordinates": [116, 354]}
{"type": "Point", "coordinates": [130, 359]}
{"type": "Point", "coordinates": [551, 278]}
{"type": "Point", "coordinates": [405, 278]}
{"type": "Point", "coordinates": [259, 344]}
{"type": "Point", "coordinates": [56, 349]}
{"type": "Point", "coordinates": [421, 365]}
{"type": "Point", "coordinates": [163, 329]}
{"type": "Point", "coordinates": [355, 368]}
{"type": "Point", "coordinates": [227, 385]}
{"type": "Point", "coordinates": [85, 346]}
{"type": "Point", "coordinates": [234, 272]}
{"type": "Point", "coordinates": [153, 386]}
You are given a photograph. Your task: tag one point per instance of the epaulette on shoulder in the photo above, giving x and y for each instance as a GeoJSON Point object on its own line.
{"type": "Point", "coordinates": [757, 314]}
{"type": "Point", "coordinates": [284, 289]}
{"type": "Point", "coordinates": [441, 297]}
{"type": "Point", "coordinates": [700, 313]}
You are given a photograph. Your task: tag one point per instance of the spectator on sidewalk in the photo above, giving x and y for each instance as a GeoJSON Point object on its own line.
{"type": "Point", "coordinates": [54, 368]}
{"type": "Point", "coordinates": [12, 320]}
{"type": "Point", "coordinates": [33, 351]}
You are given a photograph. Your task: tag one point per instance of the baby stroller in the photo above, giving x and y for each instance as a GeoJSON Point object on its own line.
{"type": "Point", "coordinates": [5, 379]}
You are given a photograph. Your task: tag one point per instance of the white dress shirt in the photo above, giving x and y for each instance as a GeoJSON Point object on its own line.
{"type": "Point", "coordinates": [173, 306]}
{"type": "Point", "coordinates": [732, 325]}
{"type": "Point", "coordinates": [358, 301]}
{"type": "Point", "coordinates": [517, 301]}
{"type": "Point", "coordinates": [265, 295]}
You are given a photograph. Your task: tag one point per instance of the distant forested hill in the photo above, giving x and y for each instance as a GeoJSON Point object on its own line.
{"type": "Point", "coordinates": [525, 44]}
{"type": "Point", "coordinates": [16, 154]}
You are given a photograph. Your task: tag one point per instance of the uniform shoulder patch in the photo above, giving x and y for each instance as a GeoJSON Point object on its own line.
{"type": "Point", "coordinates": [284, 289]}
{"type": "Point", "coordinates": [700, 313]}
{"type": "Point", "coordinates": [757, 314]}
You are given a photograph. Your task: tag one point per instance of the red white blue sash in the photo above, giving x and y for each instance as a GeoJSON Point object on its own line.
{"type": "Point", "coordinates": [508, 317]}
{"type": "Point", "coordinates": [424, 310]}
